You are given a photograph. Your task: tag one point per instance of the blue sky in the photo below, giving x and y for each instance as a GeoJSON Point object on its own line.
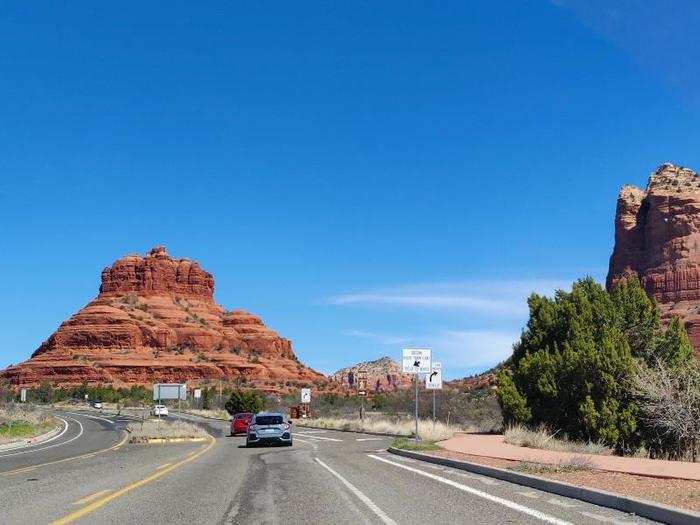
{"type": "Point", "coordinates": [363, 175]}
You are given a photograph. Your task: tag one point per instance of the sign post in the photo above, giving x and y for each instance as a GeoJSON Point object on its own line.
{"type": "Point", "coordinates": [416, 361]}
{"type": "Point", "coordinates": [23, 395]}
{"type": "Point", "coordinates": [361, 382]}
{"type": "Point", "coordinates": [305, 400]}
{"type": "Point", "coordinates": [433, 381]}
{"type": "Point", "coordinates": [170, 391]}
{"type": "Point", "coordinates": [197, 396]}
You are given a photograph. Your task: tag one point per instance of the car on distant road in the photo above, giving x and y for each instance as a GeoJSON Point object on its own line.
{"type": "Point", "coordinates": [269, 428]}
{"type": "Point", "coordinates": [240, 422]}
{"type": "Point", "coordinates": [160, 410]}
{"type": "Point", "coordinates": [96, 404]}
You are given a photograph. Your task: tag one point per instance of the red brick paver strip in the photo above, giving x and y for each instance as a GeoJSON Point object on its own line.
{"type": "Point", "coordinates": [493, 446]}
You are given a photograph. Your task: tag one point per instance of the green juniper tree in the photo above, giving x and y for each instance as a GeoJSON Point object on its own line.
{"type": "Point", "coordinates": [574, 367]}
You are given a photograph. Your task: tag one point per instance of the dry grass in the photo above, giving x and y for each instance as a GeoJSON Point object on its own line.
{"type": "Point", "coordinates": [216, 413]}
{"type": "Point", "coordinates": [427, 429]}
{"type": "Point", "coordinates": [153, 429]}
{"type": "Point", "coordinates": [576, 463]}
{"type": "Point", "coordinates": [543, 439]}
{"type": "Point", "coordinates": [19, 422]}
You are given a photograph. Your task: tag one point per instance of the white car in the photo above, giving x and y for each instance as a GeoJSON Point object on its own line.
{"type": "Point", "coordinates": [160, 410]}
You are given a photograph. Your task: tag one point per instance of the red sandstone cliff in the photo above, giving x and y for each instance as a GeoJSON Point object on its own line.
{"type": "Point", "coordinates": [657, 238]}
{"type": "Point", "coordinates": [155, 320]}
{"type": "Point", "coordinates": [382, 375]}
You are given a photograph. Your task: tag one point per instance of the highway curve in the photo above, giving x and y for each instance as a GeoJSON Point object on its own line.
{"type": "Point", "coordinates": [326, 477]}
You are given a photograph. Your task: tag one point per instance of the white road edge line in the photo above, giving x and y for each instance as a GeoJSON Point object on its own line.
{"type": "Point", "coordinates": [319, 437]}
{"type": "Point", "coordinates": [372, 506]}
{"type": "Point", "coordinates": [507, 503]}
{"type": "Point", "coordinates": [369, 439]}
{"type": "Point", "coordinates": [55, 444]}
{"type": "Point", "coordinates": [65, 429]}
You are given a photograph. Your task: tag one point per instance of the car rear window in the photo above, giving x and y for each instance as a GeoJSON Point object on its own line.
{"type": "Point", "coordinates": [269, 420]}
{"type": "Point", "coordinates": [242, 416]}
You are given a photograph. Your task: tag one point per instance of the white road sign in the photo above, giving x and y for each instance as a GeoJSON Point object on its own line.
{"type": "Point", "coordinates": [197, 393]}
{"type": "Point", "coordinates": [23, 395]}
{"type": "Point", "coordinates": [169, 391]}
{"type": "Point", "coordinates": [433, 380]}
{"type": "Point", "coordinates": [416, 360]}
{"type": "Point", "coordinates": [306, 395]}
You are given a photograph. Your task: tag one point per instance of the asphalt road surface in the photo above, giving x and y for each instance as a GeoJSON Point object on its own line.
{"type": "Point", "coordinates": [89, 475]}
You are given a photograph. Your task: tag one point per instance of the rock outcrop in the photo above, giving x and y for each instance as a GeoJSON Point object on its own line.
{"type": "Point", "coordinates": [155, 320]}
{"type": "Point", "coordinates": [657, 238]}
{"type": "Point", "coordinates": [382, 375]}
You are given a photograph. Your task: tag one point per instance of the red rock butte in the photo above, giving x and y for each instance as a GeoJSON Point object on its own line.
{"type": "Point", "coordinates": [657, 238]}
{"type": "Point", "coordinates": [155, 320]}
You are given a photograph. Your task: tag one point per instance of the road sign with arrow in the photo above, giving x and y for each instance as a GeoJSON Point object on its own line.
{"type": "Point", "coordinates": [433, 380]}
{"type": "Point", "coordinates": [416, 360]}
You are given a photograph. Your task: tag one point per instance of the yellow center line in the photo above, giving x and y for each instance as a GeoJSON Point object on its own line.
{"type": "Point", "coordinates": [164, 465]}
{"type": "Point", "coordinates": [91, 497]}
{"type": "Point", "coordinates": [82, 456]}
{"type": "Point", "coordinates": [92, 507]}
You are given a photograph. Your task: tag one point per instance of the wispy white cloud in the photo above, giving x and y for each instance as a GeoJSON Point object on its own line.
{"type": "Point", "coordinates": [383, 339]}
{"type": "Point", "coordinates": [500, 298]}
{"type": "Point", "coordinates": [457, 349]}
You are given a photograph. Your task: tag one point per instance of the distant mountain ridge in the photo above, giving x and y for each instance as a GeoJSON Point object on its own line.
{"type": "Point", "coordinates": [383, 375]}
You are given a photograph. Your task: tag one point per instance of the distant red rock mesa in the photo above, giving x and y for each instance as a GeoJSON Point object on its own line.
{"type": "Point", "coordinates": [657, 238]}
{"type": "Point", "coordinates": [382, 375]}
{"type": "Point", "coordinates": [155, 320]}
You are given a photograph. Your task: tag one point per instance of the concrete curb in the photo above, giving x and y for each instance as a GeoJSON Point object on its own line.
{"type": "Point", "coordinates": [384, 434]}
{"type": "Point", "coordinates": [36, 440]}
{"type": "Point", "coordinates": [646, 509]}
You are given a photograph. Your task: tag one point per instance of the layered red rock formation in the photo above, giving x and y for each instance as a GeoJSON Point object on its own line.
{"type": "Point", "coordinates": [155, 320]}
{"type": "Point", "coordinates": [382, 375]}
{"type": "Point", "coordinates": [657, 238]}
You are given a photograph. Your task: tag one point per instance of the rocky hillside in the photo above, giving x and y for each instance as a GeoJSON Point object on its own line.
{"type": "Point", "coordinates": [657, 238]}
{"type": "Point", "coordinates": [155, 320]}
{"type": "Point", "coordinates": [383, 375]}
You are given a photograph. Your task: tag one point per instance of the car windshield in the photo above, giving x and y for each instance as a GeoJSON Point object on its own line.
{"type": "Point", "coordinates": [269, 420]}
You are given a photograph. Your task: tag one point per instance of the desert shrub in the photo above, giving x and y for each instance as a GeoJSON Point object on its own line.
{"type": "Point", "coordinates": [245, 401]}
{"type": "Point", "coordinates": [573, 368]}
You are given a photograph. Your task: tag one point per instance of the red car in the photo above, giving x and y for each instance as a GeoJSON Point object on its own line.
{"type": "Point", "coordinates": [240, 422]}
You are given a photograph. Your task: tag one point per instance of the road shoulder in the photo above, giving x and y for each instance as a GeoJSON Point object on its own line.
{"type": "Point", "coordinates": [648, 509]}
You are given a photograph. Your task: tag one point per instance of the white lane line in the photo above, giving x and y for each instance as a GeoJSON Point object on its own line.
{"type": "Point", "coordinates": [51, 446]}
{"type": "Point", "coordinates": [506, 503]}
{"type": "Point", "coordinates": [93, 417]}
{"type": "Point", "coordinates": [369, 439]}
{"type": "Point", "coordinates": [372, 506]}
{"type": "Point", "coordinates": [313, 445]}
{"type": "Point", "coordinates": [318, 437]}
{"type": "Point", "coordinates": [65, 429]}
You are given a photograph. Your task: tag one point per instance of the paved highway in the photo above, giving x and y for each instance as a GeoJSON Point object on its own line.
{"type": "Point", "coordinates": [326, 477]}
